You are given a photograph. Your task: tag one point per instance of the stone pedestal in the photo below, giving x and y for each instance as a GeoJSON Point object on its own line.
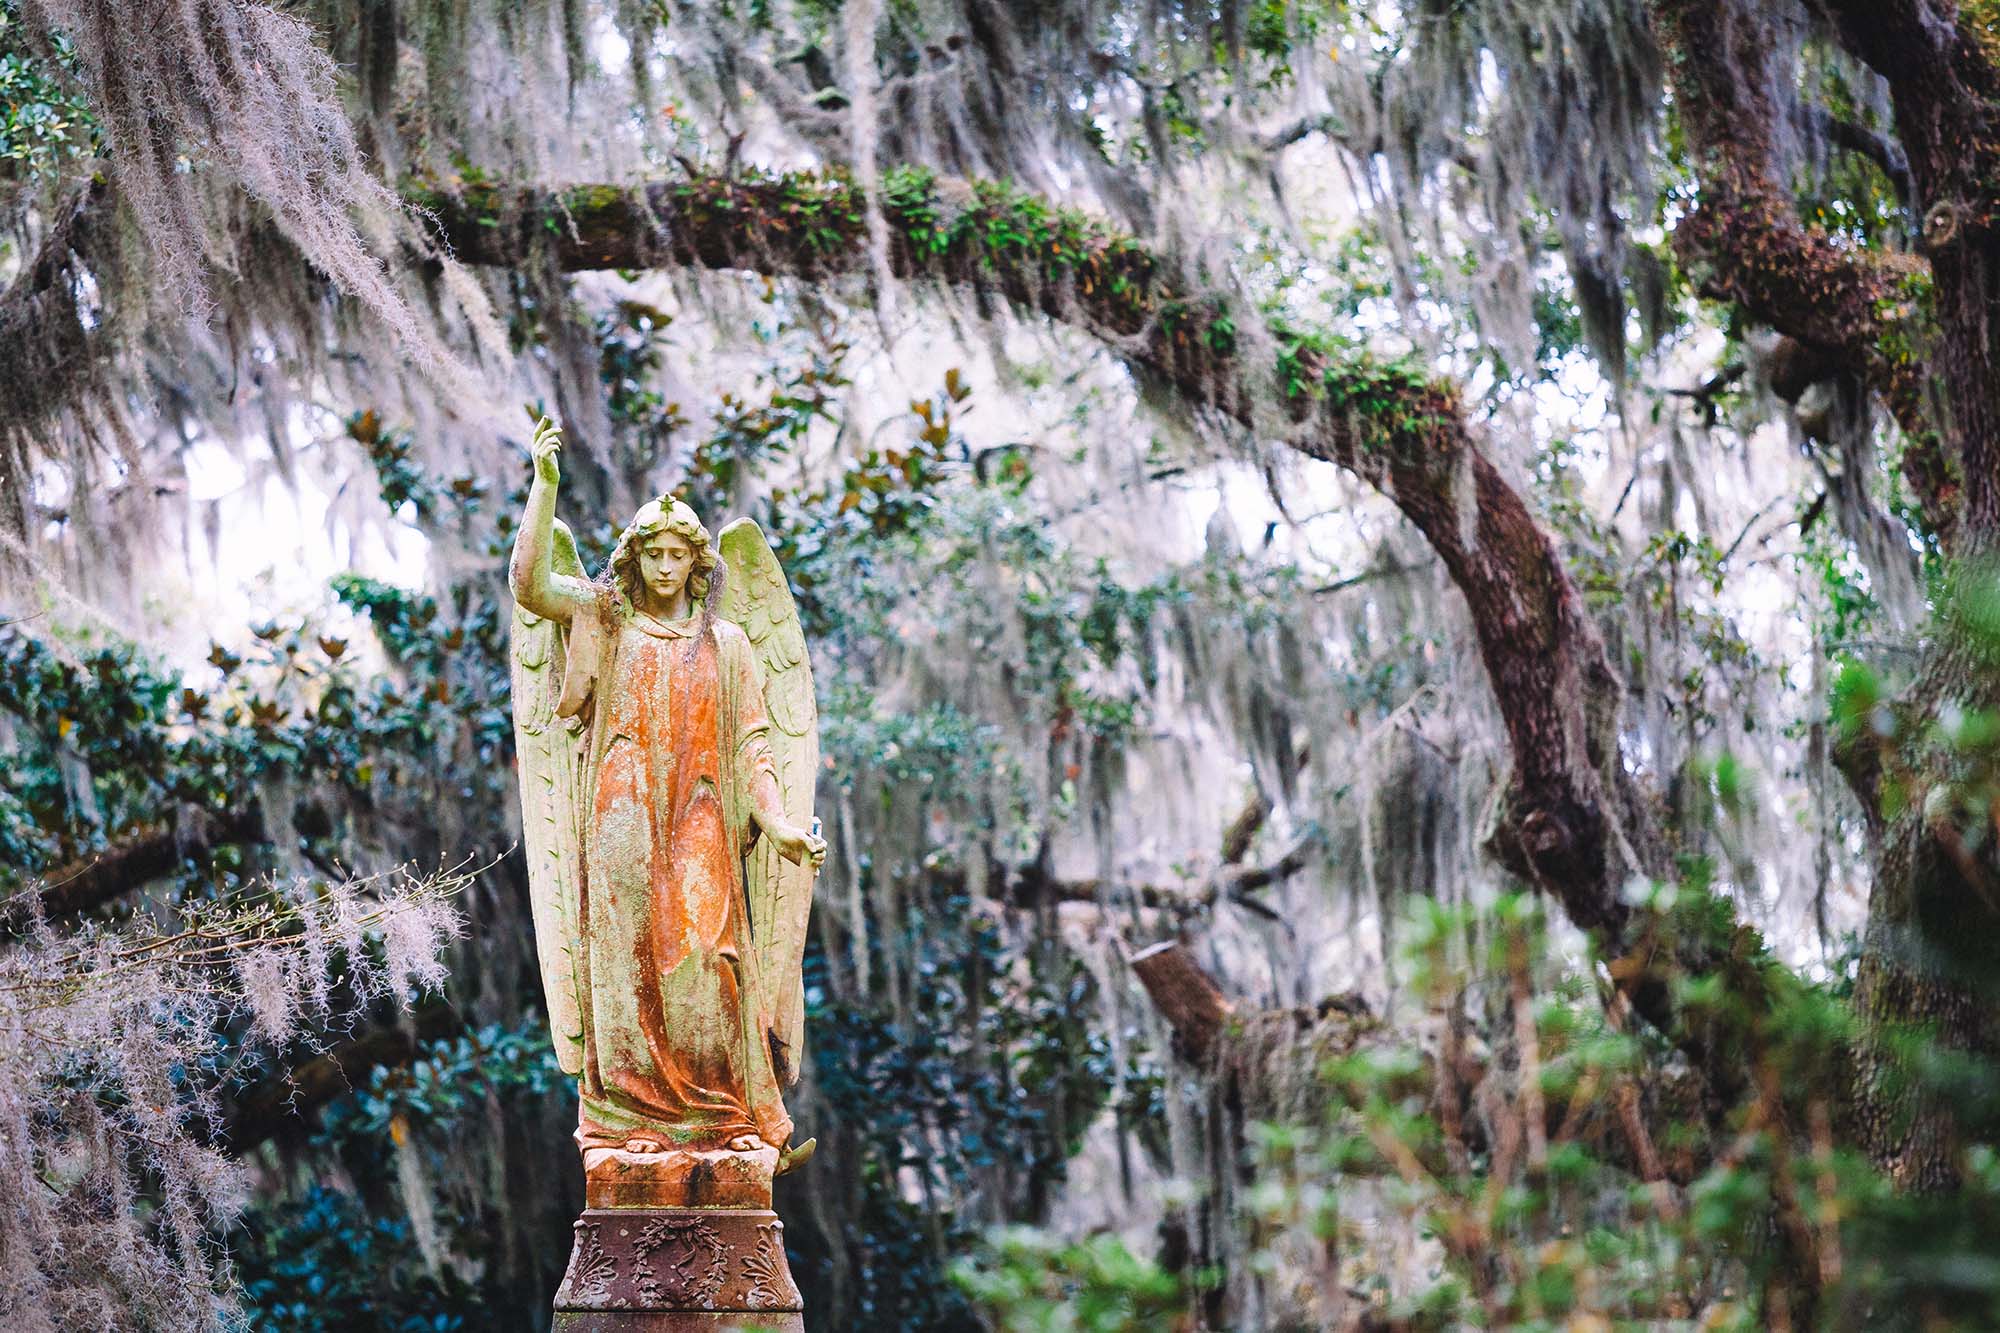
{"type": "Point", "coordinates": [678, 1241]}
{"type": "Point", "coordinates": [614, 1178]}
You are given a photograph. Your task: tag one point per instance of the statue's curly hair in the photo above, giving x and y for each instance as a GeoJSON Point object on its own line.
{"type": "Point", "coordinates": [666, 514]}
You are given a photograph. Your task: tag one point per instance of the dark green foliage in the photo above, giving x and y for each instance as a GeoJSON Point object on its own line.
{"type": "Point", "coordinates": [44, 125]}
{"type": "Point", "coordinates": [399, 480]}
{"type": "Point", "coordinates": [1028, 1281]}
{"type": "Point", "coordinates": [349, 1258]}
{"type": "Point", "coordinates": [151, 741]}
{"type": "Point", "coordinates": [449, 1085]}
{"type": "Point", "coordinates": [325, 1263]}
{"type": "Point", "coordinates": [121, 720]}
{"type": "Point", "coordinates": [988, 1081]}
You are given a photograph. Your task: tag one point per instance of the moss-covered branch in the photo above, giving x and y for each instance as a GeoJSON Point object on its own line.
{"type": "Point", "coordinates": [1863, 312]}
{"type": "Point", "coordinates": [1389, 421]}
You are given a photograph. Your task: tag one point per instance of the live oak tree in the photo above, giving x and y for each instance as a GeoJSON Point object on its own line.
{"type": "Point", "coordinates": [1814, 180]}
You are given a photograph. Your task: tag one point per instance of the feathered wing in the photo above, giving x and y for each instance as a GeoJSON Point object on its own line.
{"type": "Point", "coordinates": [757, 597]}
{"type": "Point", "coordinates": [549, 760]}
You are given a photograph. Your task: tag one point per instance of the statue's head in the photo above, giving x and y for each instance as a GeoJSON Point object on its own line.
{"type": "Point", "coordinates": [663, 548]}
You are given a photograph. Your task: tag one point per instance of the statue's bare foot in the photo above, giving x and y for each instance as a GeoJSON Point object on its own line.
{"type": "Point", "coordinates": [745, 1143]}
{"type": "Point", "coordinates": [644, 1145]}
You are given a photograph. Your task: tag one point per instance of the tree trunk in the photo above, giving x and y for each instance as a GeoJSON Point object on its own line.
{"type": "Point", "coordinates": [1918, 329]}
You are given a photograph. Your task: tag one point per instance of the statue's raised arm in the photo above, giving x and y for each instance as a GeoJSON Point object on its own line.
{"type": "Point", "coordinates": [540, 585]}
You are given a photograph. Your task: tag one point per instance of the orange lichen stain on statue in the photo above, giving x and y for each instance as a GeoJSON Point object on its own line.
{"type": "Point", "coordinates": [666, 876]}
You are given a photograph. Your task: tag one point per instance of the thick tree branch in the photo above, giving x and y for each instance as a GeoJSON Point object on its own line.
{"type": "Point", "coordinates": [1901, 40]}
{"type": "Point", "coordinates": [1298, 131]}
{"type": "Point", "coordinates": [1944, 82]}
{"type": "Point", "coordinates": [1243, 829]}
{"type": "Point", "coordinates": [1388, 422]}
{"type": "Point", "coordinates": [1879, 148]}
{"type": "Point", "coordinates": [1866, 312]}
{"type": "Point", "coordinates": [1925, 965]}
{"type": "Point", "coordinates": [1033, 884]}
{"type": "Point", "coordinates": [1186, 996]}
{"type": "Point", "coordinates": [143, 855]}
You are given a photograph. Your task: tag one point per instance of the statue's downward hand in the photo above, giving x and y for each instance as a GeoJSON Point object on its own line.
{"type": "Point", "coordinates": [800, 847]}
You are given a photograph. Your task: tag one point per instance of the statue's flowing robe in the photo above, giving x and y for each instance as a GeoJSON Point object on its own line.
{"type": "Point", "coordinates": [676, 745]}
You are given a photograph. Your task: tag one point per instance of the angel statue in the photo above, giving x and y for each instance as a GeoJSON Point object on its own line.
{"type": "Point", "coordinates": [668, 744]}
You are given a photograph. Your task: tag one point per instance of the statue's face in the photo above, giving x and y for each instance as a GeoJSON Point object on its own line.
{"type": "Point", "coordinates": [665, 560]}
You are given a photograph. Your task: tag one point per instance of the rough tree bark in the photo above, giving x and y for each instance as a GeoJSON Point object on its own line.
{"type": "Point", "coordinates": [1186, 996]}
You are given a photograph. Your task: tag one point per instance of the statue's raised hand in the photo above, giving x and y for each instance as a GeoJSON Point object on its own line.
{"type": "Point", "coordinates": [545, 446]}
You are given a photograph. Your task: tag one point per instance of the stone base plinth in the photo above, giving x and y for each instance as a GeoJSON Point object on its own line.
{"type": "Point", "coordinates": [663, 1270]}
{"type": "Point", "coordinates": [678, 1321]}
{"type": "Point", "coordinates": [678, 1178]}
